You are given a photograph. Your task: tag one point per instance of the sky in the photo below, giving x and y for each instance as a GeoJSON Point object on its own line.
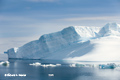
{"type": "Point", "coordinates": [22, 21]}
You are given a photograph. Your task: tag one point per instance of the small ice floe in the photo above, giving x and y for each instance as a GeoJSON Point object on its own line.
{"type": "Point", "coordinates": [36, 64]}
{"type": "Point", "coordinates": [50, 74]}
{"type": "Point", "coordinates": [83, 65]}
{"type": "Point", "coordinates": [58, 64]}
{"type": "Point", "coordinates": [72, 65]}
{"type": "Point", "coordinates": [52, 65]}
{"type": "Point", "coordinates": [80, 65]}
{"type": "Point", "coordinates": [76, 65]}
{"type": "Point", "coordinates": [48, 65]}
{"type": "Point", "coordinates": [107, 66]}
{"type": "Point", "coordinates": [44, 65]}
{"type": "Point", "coordinates": [5, 63]}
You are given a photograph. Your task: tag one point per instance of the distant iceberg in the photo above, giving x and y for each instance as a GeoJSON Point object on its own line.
{"type": "Point", "coordinates": [74, 43]}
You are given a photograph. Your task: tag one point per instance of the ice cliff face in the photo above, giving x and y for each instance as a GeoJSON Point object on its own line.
{"type": "Point", "coordinates": [50, 43]}
{"type": "Point", "coordinates": [74, 42]}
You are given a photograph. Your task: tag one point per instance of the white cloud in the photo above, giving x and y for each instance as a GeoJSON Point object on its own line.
{"type": "Point", "coordinates": [116, 18]}
{"type": "Point", "coordinates": [15, 18]}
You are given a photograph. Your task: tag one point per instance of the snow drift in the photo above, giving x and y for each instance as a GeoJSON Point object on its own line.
{"type": "Point", "coordinates": [74, 43]}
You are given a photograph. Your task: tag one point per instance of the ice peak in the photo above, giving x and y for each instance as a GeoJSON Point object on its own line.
{"type": "Point", "coordinates": [110, 29]}
{"type": "Point", "coordinates": [112, 26]}
{"type": "Point", "coordinates": [84, 31]}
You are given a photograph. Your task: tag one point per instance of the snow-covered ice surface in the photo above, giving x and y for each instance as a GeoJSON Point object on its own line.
{"type": "Point", "coordinates": [74, 43]}
{"type": "Point", "coordinates": [104, 49]}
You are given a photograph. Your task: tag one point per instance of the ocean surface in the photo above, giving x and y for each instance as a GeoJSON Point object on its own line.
{"type": "Point", "coordinates": [65, 71]}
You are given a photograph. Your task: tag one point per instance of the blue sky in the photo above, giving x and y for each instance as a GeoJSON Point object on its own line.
{"type": "Point", "coordinates": [25, 20]}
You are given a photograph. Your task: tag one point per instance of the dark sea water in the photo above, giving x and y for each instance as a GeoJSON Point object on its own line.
{"type": "Point", "coordinates": [63, 72]}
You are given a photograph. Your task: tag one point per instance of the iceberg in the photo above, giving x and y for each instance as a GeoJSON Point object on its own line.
{"type": "Point", "coordinates": [74, 43]}
{"type": "Point", "coordinates": [36, 64]}
{"type": "Point", "coordinates": [108, 66]}
{"type": "Point", "coordinates": [5, 63]}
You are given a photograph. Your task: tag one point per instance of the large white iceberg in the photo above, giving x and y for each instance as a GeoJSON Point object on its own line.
{"type": "Point", "coordinates": [74, 43]}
